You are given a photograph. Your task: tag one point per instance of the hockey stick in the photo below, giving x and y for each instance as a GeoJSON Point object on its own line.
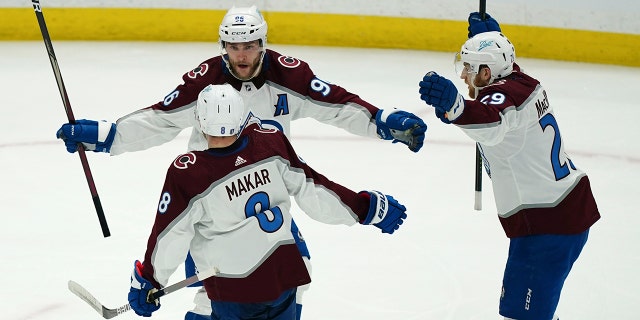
{"type": "Point", "coordinates": [70, 117]}
{"type": "Point", "coordinates": [478, 183]}
{"type": "Point", "coordinates": [483, 9]}
{"type": "Point", "coordinates": [108, 313]}
{"type": "Point", "coordinates": [478, 193]}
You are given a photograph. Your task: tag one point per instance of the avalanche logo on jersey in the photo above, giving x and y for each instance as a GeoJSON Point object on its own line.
{"type": "Point", "coordinates": [289, 62]}
{"type": "Point", "coordinates": [183, 161]}
{"type": "Point", "coordinates": [199, 71]}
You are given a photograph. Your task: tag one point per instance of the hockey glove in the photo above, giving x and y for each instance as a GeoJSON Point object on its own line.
{"type": "Point", "coordinates": [384, 212]}
{"type": "Point", "coordinates": [477, 25]}
{"type": "Point", "coordinates": [401, 126]}
{"type": "Point", "coordinates": [96, 136]}
{"type": "Point", "coordinates": [441, 93]}
{"type": "Point", "coordinates": [141, 290]}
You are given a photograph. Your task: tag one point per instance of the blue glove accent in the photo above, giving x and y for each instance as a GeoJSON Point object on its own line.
{"type": "Point", "coordinates": [384, 212]}
{"type": "Point", "coordinates": [477, 25]}
{"type": "Point", "coordinates": [298, 311]}
{"type": "Point", "coordinates": [140, 290]}
{"type": "Point", "coordinates": [439, 92]}
{"type": "Point", "coordinates": [194, 316]}
{"type": "Point", "coordinates": [401, 126]}
{"type": "Point", "coordinates": [191, 270]}
{"type": "Point", "coordinates": [297, 236]}
{"type": "Point", "coordinates": [95, 136]}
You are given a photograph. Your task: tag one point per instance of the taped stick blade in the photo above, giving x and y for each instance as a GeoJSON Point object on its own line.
{"type": "Point", "coordinates": [83, 294]}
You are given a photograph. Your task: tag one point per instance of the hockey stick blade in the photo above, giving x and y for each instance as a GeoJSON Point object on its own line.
{"type": "Point", "coordinates": [83, 294]}
{"type": "Point", "coordinates": [109, 313]}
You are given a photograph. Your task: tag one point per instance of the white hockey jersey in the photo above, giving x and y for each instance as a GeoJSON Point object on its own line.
{"type": "Point", "coordinates": [230, 208]}
{"type": "Point", "coordinates": [537, 188]}
{"type": "Point", "coordinates": [286, 89]}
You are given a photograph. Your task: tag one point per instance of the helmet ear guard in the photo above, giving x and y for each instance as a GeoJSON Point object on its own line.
{"type": "Point", "coordinates": [219, 110]}
{"type": "Point", "coordinates": [490, 49]}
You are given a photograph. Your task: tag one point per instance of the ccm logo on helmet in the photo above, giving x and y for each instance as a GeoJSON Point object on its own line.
{"type": "Point", "coordinates": [238, 33]}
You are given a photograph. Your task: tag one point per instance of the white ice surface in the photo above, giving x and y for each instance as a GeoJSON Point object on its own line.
{"type": "Point", "coordinates": [446, 262]}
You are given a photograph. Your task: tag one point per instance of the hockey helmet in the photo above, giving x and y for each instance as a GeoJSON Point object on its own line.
{"type": "Point", "coordinates": [219, 110]}
{"type": "Point", "coordinates": [492, 49]}
{"type": "Point", "coordinates": [243, 24]}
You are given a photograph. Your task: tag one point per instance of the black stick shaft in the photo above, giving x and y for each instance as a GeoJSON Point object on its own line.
{"type": "Point", "coordinates": [70, 117]}
{"type": "Point", "coordinates": [478, 169]}
{"type": "Point", "coordinates": [478, 182]}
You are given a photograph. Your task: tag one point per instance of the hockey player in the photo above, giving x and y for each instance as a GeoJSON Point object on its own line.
{"type": "Point", "coordinates": [230, 206]}
{"type": "Point", "coordinates": [544, 201]}
{"type": "Point", "coordinates": [275, 87]}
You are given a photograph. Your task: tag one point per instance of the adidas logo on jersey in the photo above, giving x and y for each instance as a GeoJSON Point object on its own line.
{"type": "Point", "coordinates": [240, 161]}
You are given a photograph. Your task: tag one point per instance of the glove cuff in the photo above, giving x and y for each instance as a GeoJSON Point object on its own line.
{"type": "Point", "coordinates": [378, 207]}
{"type": "Point", "coordinates": [382, 129]}
{"type": "Point", "coordinates": [104, 131]}
{"type": "Point", "coordinates": [457, 109]}
{"type": "Point", "coordinates": [137, 280]}
{"type": "Point", "coordinates": [382, 115]}
{"type": "Point", "coordinates": [106, 135]}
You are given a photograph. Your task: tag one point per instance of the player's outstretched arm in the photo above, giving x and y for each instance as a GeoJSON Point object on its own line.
{"type": "Point", "coordinates": [141, 290]}
{"type": "Point", "coordinates": [440, 93]}
{"type": "Point", "coordinates": [385, 212]}
{"type": "Point", "coordinates": [96, 136]}
{"type": "Point", "coordinates": [401, 126]}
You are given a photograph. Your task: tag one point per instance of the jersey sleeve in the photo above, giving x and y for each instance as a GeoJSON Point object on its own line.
{"type": "Point", "coordinates": [320, 99]}
{"type": "Point", "coordinates": [173, 228]}
{"type": "Point", "coordinates": [320, 198]}
{"type": "Point", "coordinates": [164, 120]}
{"type": "Point", "coordinates": [496, 111]}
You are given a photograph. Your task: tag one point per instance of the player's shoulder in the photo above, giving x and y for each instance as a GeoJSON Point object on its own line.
{"type": "Point", "coordinates": [515, 88]}
{"type": "Point", "coordinates": [187, 163]}
{"type": "Point", "coordinates": [288, 72]}
{"type": "Point", "coordinates": [189, 173]}
{"type": "Point", "coordinates": [267, 140]}
{"type": "Point", "coordinates": [206, 71]}
{"type": "Point", "coordinates": [255, 129]}
{"type": "Point", "coordinates": [285, 62]}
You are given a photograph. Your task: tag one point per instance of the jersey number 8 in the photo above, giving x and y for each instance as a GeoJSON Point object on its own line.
{"type": "Point", "coordinates": [258, 205]}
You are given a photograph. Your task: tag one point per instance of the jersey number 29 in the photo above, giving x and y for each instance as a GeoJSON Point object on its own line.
{"type": "Point", "coordinates": [560, 169]}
